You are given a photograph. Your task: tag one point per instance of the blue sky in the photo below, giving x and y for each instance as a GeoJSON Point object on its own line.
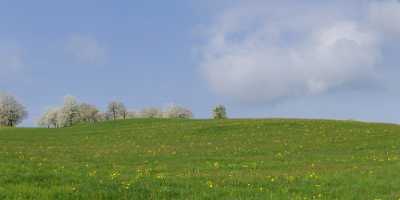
{"type": "Point", "coordinates": [324, 60]}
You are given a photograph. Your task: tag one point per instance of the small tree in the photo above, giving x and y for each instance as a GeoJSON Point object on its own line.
{"type": "Point", "coordinates": [124, 113]}
{"type": "Point", "coordinates": [219, 112]}
{"type": "Point", "coordinates": [116, 110]}
{"type": "Point", "coordinates": [11, 111]}
{"type": "Point", "coordinates": [178, 112]}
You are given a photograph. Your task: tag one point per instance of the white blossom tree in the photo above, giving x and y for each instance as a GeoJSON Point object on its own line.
{"type": "Point", "coordinates": [88, 113]}
{"type": "Point", "coordinates": [72, 112]}
{"type": "Point", "coordinates": [11, 111]}
{"type": "Point", "coordinates": [117, 110]}
{"type": "Point", "coordinates": [69, 113]}
{"type": "Point", "coordinates": [50, 118]}
{"type": "Point", "coordinates": [102, 116]}
{"type": "Point", "coordinates": [175, 111]}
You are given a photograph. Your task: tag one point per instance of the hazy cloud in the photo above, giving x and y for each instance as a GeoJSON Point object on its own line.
{"type": "Point", "coordinates": [11, 60]}
{"type": "Point", "coordinates": [86, 49]}
{"type": "Point", "coordinates": [259, 51]}
{"type": "Point", "coordinates": [385, 16]}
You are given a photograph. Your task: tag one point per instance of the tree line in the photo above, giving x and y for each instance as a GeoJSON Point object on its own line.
{"type": "Point", "coordinates": [73, 112]}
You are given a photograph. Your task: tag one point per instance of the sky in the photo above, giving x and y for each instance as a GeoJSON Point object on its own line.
{"type": "Point", "coordinates": [259, 58]}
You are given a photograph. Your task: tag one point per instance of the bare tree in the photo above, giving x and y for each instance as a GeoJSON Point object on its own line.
{"type": "Point", "coordinates": [11, 111]}
{"type": "Point", "coordinates": [123, 112]}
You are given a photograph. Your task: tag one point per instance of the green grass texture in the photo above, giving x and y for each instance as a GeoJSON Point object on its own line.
{"type": "Point", "coordinates": [202, 159]}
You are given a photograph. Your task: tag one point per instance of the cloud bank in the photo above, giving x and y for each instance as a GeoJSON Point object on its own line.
{"type": "Point", "coordinates": [260, 51]}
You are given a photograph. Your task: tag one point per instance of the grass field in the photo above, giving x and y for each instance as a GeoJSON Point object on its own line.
{"type": "Point", "coordinates": [202, 159]}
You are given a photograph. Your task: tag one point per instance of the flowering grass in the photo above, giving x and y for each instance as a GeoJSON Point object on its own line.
{"type": "Point", "coordinates": [202, 159]}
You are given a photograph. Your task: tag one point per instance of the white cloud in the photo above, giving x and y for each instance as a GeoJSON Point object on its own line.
{"type": "Point", "coordinates": [86, 49]}
{"type": "Point", "coordinates": [262, 51]}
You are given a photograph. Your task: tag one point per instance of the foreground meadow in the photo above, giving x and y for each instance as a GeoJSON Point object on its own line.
{"type": "Point", "coordinates": [202, 159]}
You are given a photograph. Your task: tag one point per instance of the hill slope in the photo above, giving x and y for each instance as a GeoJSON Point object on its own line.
{"type": "Point", "coordinates": [202, 159]}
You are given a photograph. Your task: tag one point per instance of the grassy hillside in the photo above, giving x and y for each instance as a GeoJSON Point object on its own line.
{"type": "Point", "coordinates": [202, 159]}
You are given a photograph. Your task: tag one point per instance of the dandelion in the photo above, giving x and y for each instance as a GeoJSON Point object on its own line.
{"type": "Point", "coordinates": [313, 175]}
{"type": "Point", "coordinates": [291, 178]}
{"type": "Point", "coordinates": [92, 173]}
{"type": "Point", "coordinates": [115, 174]}
{"type": "Point", "coordinates": [210, 184]}
{"type": "Point", "coordinates": [160, 176]}
{"type": "Point", "coordinates": [126, 185]}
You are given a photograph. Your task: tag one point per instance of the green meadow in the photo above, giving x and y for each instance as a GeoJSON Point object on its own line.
{"type": "Point", "coordinates": [202, 159]}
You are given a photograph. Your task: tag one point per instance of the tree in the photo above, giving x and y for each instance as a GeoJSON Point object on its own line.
{"type": "Point", "coordinates": [69, 113]}
{"type": "Point", "coordinates": [11, 111]}
{"type": "Point", "coordinates": [117, 110]}
{"type": "Point", "coordinates": [219, 112]}
{"type": "Point", "coordinates": [102, 116]}
{"type": "Point", "coordinates": [151, 113]}
{"type": "Point", "coordinates": [124, 113]}
{"type": "Point", "coordinates": [88, 113]}
{"type": "Point", "coordinates": [178, 112]}
{"type": "Point", "coordinates": [50, 118]}
{"type": "Point", "coordinates": [72, 112]}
